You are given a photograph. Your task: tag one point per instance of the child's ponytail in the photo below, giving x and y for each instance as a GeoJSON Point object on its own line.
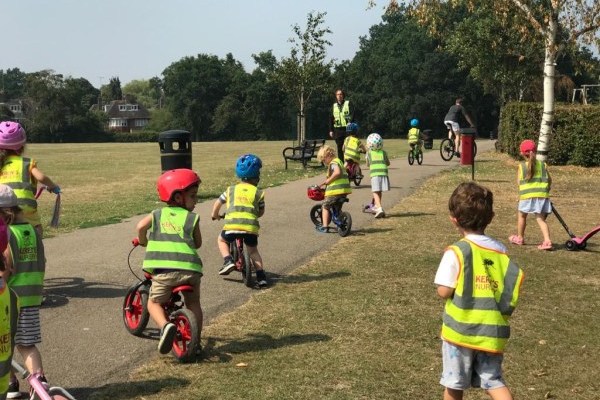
{"type": "Point", "coordinates": [530, 165]}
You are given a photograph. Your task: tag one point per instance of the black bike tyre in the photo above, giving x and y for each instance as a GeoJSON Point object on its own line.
{"type": "Point", "coordinates": [131, 296]}
{"type": "Point", "coordinates": [447, 149]}
{"type": "Point", "coordinates": [345, 224]}
{"type": "Point", "coordinates": [420, 157]}
{"type": "Point", "coordinates": [185, 344]}
{"type": "Point", "coordinates": [247, 270]}
{"type": "Point", "coordinates": [357, 181]}
{"type": "Point", "coordinates": [411, 158]}
{"type": "Point", "coordinates": [316, 215]}
{"type": "Point", "coordinates": [474, 149]}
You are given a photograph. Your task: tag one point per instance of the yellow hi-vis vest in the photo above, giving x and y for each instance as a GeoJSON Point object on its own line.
{"type": "Point", "coordinates": [341, 185]}
{"type": "Point", "coordinates": [242, 208]}
{"type": "Point", "coordinates": [341, 114]}
{"type": "Point", "coordinates": [351, 145]}
{"type": "Point", "coordinates": [486, 294]}
{"type": "Point", "coordinates": [171, 241]}
{"type": "Point", "coordinates": [538, 185]}
{"type": "Point", "coordinates": [9, 315]}
{"type": "Point", "coordinates": [29, 261]}
{"type": "Point", "coordinates": [414, 134]}
{"type": "Point", "coordinates": [16, 174]}
{"type": "Point", "coordinates": [377, 165]}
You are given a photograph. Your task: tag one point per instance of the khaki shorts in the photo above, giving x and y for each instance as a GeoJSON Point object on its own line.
{"type": "Point", "coordinates": [163, 284]}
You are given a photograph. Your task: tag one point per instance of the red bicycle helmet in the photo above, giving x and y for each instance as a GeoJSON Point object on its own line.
{"type": "Point", "coordinates": [527, 146]}
{"type": "Point", "coordinates": [315, 193]}
{"type": "Point", "coordinates": [176, 180]}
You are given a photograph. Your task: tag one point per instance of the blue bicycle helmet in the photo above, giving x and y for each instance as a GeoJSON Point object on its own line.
{"type": "Point", "coordinates": [352, 127]}
{"type": "Point", "coordinates": [248, 167]}
{"type": "Point", "coordinates": [414, 122]}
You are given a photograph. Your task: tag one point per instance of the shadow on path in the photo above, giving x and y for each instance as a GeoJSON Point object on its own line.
{"type": "Point", "coordinates": [128, 390]}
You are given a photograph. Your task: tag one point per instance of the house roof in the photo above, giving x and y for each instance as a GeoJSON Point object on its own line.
{"type": "Point", "coordinates": [113, 110]}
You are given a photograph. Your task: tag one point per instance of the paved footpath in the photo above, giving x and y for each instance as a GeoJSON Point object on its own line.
{"type": "Point", "coordinates": [85, 345]}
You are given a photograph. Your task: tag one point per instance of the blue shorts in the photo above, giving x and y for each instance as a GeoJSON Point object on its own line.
{"type": "Point", "coordinates": [250, 239]}
{"type": "Point", "coordinates": [464, 368]}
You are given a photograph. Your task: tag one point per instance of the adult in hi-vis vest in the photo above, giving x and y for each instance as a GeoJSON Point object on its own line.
{"type": "Point", "coordinates": [480, 285]}
{"type": "Point", "coordinates": [342, 114]}
{"type": "Point", "coordinates": [171, 235]}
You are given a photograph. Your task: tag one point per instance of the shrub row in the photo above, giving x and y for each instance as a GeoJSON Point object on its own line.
{"type": "Point", "coordinates": [575, 138]}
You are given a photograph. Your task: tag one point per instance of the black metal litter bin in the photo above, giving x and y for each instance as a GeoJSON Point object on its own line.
{"type": "Point", "coordinates": [427, 135]}
{"type": "Point", "coordinates": [175, 150]}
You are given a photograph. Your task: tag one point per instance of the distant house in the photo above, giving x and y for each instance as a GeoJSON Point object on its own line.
{"type": "Point", "coordinates": [15, 107]}
{"type": "Point", "coordinates": [124, 116]}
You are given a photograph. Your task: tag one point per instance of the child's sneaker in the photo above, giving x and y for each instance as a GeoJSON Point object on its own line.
{"type": "Point", "coordinates": [379, 213]}
{"type": "Point", "coordinates": [227, 267]}
{"type": "Point", "coordinates": [261, 278]}
{"type": "Point", "coordinates": [167, 335]}
{"type": "Point", "coordinates": [13, 390]}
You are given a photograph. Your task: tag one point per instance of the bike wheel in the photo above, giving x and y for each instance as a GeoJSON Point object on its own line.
{"type": "Point", "coordinates": [135, 309]}
{"type": "Point", "coordinates": [447, 149]}
{"type": "Point", "coordinates": [420, 157]}
{"type": "Point", "coordinates": [185, 344]}
{"type": "Point", "coordinates": [247, 269]}
{"type": "Point", "coordinates": [474, 148]}
{"type": "Point", "coordinates": [357, 179]}
{"type": "Point", "coordinates": [411, 157]}
{"type": "Point", "coordinates": [316, 215]}
{"type": "Point", "coordinates": [345, 223]}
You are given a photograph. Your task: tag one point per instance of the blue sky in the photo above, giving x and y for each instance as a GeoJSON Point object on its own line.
{"type": "Point", "coordinates": [138, 39]}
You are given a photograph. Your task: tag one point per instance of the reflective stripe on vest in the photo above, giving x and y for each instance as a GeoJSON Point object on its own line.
{"type": "Point", "coordinates": [486, 294]}
{"type": "Point", "coordinates": [351, 144]}
{"type": "Point", "coordinates": [414, 135]}
{"type": "Point", "coordinates": [15, 174]}
{"type": "Point", "coordinates": [377, 165]}
{"type": "Point", "coordinates": [171, 241]}
{"type": "Point", "coordinates": [29, 262]}
{"type": "Point", "coordinates": [241, 213]}
{"type": "Point", "coordinates": [341, 114]}
{"type": "Point", "coordinates": [537, 186]}
{"type": "Point", "coordinates": [8, 327]}
{"type": "Point", "coordinates": [341, 185]}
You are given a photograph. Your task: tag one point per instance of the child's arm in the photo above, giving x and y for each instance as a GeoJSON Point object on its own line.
{"type": "Point", "coordinates": [142, 229]}
{"type": "Point", "coordinates": [44, 179]}
{"type": "Point", "coordinates": [445, 292]}
{"type": "Point", "coordinates": [197, 235]}
{"type": "Point", "coordinates": [216, 208]}
{"type": "Point", "coordinates": [387, 160]}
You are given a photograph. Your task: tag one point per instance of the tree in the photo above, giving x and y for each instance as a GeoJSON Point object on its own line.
{"type": "Point", "coordinates": [539, 20]}
{"type": "Point", "coordinates": [305, 70]}
{"type": "Point", "coordinates": [12, 84]}
{"type": "Point", "coordinates": [112, 90]}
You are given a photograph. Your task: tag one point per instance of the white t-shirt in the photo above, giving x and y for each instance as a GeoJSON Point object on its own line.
{"type": "Point", "coordinates": [447, 272]}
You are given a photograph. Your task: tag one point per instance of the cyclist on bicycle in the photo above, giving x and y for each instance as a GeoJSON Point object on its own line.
{"type": "Point", "coordinates": [336, 183]}
{"type": "Point", "coordinates": [414, 134]}
{"type": "Point", "coordinates": [353, 146]}
{"type": "Point", "coordinates": [455, 116]}
{"type": "Point", "coordinates": [244, 203]}
{"type": "Point", "coordinates": [171, 257]}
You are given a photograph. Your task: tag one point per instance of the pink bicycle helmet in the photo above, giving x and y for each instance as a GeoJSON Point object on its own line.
{"type": "Point", "coordinates": [176, 180]}
{"type": "Point", "coordinates": [527, 146]}
{"type": "Point", "coordinates": [12, 135]}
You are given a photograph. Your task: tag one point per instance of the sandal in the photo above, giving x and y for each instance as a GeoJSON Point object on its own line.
{"type": "Point", "coordinates": [514, 239]}
{"type": "Point", "coordinates": [545, 246]}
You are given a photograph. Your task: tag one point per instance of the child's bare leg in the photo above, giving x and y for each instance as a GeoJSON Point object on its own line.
{"type": "Point", "coordinates": [502, 393]}
{"type": "Point", "coordinates": [32, 358]}
{"type": "Point", "coordinates": [223, 247]}
{"type": "Point", "coordinates": [192, 302]}
{"type": "Point", "coordinates": [457, 142]}
{"type": "Point", "coordinates": [377, 199]}
{"type": "Point", "coordinates": [255, 256]}
{"type": "Point", "coordinates": [541, 220]}
{"type": "Point", "coordinates": [453, 394]}
{"type": "Point", "coordinates": [521, 223]}
{"type": "Point", "coordinates": [157, 313]}
{"type": "Point", "coordinates": [325, 214]}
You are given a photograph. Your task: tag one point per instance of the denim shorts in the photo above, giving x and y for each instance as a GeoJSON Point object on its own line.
{"type": "Point", "coordinates": [464, 368]}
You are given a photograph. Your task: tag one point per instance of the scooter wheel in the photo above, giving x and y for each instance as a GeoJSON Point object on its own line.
{"type": "Point", "coordinates": [571, 245]}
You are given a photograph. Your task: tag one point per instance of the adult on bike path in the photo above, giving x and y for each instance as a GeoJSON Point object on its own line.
{"type": "Point", "coordinates": [455, 118]}
{"type": "Point", "coordinates": [85, 344]}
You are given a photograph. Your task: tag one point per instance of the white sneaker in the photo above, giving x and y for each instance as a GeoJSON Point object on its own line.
{"type": "Point", "coordinates": [379, 213]}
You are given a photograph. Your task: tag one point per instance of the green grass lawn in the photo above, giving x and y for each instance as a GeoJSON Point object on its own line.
{"type": "Point", "coordinates": [362, 321]}
{"type": "Point", "coordinates": [105, 182]}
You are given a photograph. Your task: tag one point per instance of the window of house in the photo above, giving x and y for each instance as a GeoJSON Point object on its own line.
{"type": "Point", "coordinates": [15, 108]}
{"type": "Point", "coordinates": [141, 122]}
{"type": "Point", "coordinates": [122, 107]}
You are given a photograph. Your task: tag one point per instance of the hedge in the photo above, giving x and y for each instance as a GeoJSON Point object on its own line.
{"type": "Point", "coordinates": [575, 137]}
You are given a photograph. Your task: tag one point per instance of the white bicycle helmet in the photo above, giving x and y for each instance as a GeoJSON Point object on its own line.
{"type": "Point", "coordinates": [374, 141]}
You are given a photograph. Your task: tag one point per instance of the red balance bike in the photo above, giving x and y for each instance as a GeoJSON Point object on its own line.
{"type": "Point", "coordinates": [354, 172]}
{"type": "Point", "coordinates": [136, 315]}
{"type": "Point", "coordinates": [575, 242]}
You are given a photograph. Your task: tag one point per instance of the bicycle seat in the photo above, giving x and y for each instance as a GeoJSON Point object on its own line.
{"type": "Point", "coordinates": [182, 288]}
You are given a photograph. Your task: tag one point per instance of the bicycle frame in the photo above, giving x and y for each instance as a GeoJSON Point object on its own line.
{"type": "Point", "coordinates": [40, 391]}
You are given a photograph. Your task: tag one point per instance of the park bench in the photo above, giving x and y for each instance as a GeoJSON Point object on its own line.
{"type": "Point", "coordinates": [304, 153]}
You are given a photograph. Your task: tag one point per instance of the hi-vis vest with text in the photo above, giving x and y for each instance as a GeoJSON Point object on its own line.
{"type": "Point", "coordinates": [341, 115]}
{"type": "Point", "coordinates": [537, 186]}
{"type": "Point", "coordinates": [29, 261]}
{"type": "Point", "coordinates": [414, 134]}
{"type": "Point", "coordinates": [15, 174]}
{"type": "Point", "coordinates": [242, 208]}
{"type": "Point", "coordinates": [9, 315]}
{"type": "Point", "coordinates": [351, 144]}
{"type": "Point", "coordinates": [377, 165]}
{"type": "Point", "coordinates": [341, 185]}
{"type": "Point", "coordinates": [171, 241]}
{"type": "Point", "coordinates": [486, 294]}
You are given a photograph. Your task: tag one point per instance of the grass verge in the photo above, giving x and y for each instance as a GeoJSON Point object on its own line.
{"type": "Point", "coordinates": [362, 321]}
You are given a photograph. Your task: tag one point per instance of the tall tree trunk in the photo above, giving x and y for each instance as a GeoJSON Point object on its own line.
{"type": "Point", "coordinates": [549, 79]}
